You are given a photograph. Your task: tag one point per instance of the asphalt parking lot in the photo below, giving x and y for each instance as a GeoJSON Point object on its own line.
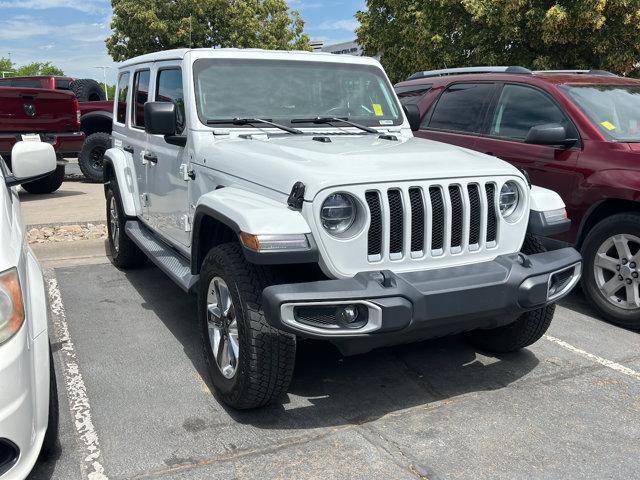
{"type": "Point", "coordinates": [135, 402]}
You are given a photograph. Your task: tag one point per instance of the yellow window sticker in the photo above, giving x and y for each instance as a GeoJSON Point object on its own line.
{"type": "Point", "coordinates": [377, 109]}
{"type": "Point", "coordinates": [608, 125]}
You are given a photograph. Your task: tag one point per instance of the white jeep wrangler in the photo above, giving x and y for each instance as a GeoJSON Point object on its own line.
{"type": "Point", "coordinates": [287, 190]}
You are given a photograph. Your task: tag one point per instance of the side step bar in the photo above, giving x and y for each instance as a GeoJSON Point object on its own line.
{"type": "Point", "coordinates": [167, 259]}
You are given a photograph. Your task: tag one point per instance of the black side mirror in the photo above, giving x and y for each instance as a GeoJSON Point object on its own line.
{"type": "Point", "coordinates": [413, 116]}
{"type": "Point", "coordinates": [552, 134]}
{"type": "Point", "coordinates": [160, 118]}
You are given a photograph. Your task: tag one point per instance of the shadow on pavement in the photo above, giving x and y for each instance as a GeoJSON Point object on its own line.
{"type": "Point", "coordinates": [331, 390]}
{"type": "Point", "coordinates": [26, 197]}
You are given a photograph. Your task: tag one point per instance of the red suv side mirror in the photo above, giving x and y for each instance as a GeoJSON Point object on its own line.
{"type": "Point", "coordinates": [552, 134]}
{"type": "Point", "coordinates": [413, 116]}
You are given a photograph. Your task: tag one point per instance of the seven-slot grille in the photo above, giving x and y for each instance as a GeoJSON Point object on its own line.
{"type": "Point", "coordinates": [429, 221]}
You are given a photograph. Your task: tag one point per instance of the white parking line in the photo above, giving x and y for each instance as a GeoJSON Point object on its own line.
{"type": "Point", "coordinates": [602, 361]}
{"type": "Point", "coordinates": [79, 405]}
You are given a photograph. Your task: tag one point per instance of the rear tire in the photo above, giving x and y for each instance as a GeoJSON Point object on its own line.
{"type": "Point", "coordinates": [87, 90]}
{"type": "Point", "coordinates": [625, 226]}
{"type": "Point", "coordinates": [48, 184]}
{"type": "Point", "coordinates": [91, 156]}
{"type": "Point", "coordinates": [125, 253]}
{"type": "Point", "coordinates": [260, 366]}
{"type": "Point", "coordinates": [526, 330]}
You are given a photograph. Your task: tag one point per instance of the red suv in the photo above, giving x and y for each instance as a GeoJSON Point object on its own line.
{"type": "Point", "coordinates": [575, 132]}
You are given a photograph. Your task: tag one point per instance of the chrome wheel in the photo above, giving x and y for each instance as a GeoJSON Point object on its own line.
{"type": "Point", "coordinates": [114, 223]}
{"type": "Point", "coordinates": [223, 327]}
{"type": "Point", "coordinates": [616, 270]}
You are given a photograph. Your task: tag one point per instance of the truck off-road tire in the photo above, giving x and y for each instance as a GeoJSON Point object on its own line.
{"type": "Point", "coordinates": [91, 156]}
{"type": "Point", "coordinates": [610, 278]}
{"type": "Point", "coordinates": [125, 253]}
{"type": "Point", "coordinates": [48, 184]}
{"type": "Point", "coordinates": [87, 90]}
{"type": "Point", "coordinates": [50, 442]}
{"type": "Point", "coordinates": [250, 363]}
{"type": "Point", "coordinates": [526, 330]}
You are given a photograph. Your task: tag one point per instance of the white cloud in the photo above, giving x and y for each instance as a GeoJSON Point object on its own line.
{"type": "Point", "coordinates": [22, 28]}
{"type": "Point", "coordinates": [346, 24]}
{"type": "Point", "coordinates": [80, 5]}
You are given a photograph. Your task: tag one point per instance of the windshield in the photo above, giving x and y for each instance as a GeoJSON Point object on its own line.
{"type": "Point", "coordinates": [614, 109]}
{"type": "Point", "coordinates": [284, 90]}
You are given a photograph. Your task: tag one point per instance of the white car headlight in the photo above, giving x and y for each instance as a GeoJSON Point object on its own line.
{"type": "Point", "coordinates": [11, 305]}
{"type": "Point", "coordinates": [338, 213]}
{"type": "Point", "coordinates": [509, 199]}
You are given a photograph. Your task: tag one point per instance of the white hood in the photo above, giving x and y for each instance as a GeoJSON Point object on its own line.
{"type": "Point", "coordinates": [280, 161]}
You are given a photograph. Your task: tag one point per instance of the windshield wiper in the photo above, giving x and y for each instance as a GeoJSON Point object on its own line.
{"type": "Point", "coordinates": [249, 121]}
{"type": "Point", "coordinates": [321, 120]}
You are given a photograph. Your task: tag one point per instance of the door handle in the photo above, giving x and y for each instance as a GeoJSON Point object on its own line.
{"type": "Point", "coordinates": [128, 149]}
{"type": "Point", "coordinates": [150, 158]}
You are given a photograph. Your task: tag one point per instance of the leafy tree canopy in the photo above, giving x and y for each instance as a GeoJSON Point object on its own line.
{"type": "Point", "coordinates": [144, 26]}
{"type": "Point", "coordinates": [414, 35]}
{"type": "Point", "coordinates": [33, 68]}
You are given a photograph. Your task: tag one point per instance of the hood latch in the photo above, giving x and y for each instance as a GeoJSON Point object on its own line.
{"type": "Point", "coordinates": [296, 197]}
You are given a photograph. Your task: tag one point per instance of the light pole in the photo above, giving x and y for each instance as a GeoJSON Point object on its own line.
{"type": "Point", "coordinates": [4, 72]}
{"type": "Point", "coordinates": [104, 78]}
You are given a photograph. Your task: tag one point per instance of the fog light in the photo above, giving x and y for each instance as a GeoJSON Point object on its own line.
{"type": "Point", "coordinates": [347, 314]}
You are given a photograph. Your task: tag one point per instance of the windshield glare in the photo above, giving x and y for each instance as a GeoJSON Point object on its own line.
{"type": "Point", "coordinates": [614, 109]}
{"type": "Point", "coordinates": [283, 90]}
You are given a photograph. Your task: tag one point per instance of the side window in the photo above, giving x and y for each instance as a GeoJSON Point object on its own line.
{"type": "Point", "coordinates": [140, 96]}
{"type": "Point", "coordinates": [412, 95]}
{"type": "Point", "coordinates": [461, 108]}
{"type": "Point", "coordinates": [123, 90]}
{"type": "Point", "coordinates": [62, 84]}
{"type": "Point", "coordinates": [521, 108]}
{"type": "Point", "coordinates": [169, 89]}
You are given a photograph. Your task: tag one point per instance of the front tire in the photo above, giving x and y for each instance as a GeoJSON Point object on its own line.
{"type": "Point", "coordinates": [250, 363]}
{"type": "Point", "coordinates": [611, 278]}
{"type": "Point", "coordinates": [48, 184]}
{"type": "Point", "coordinates": [125, 253]}
{"type": "Point", "coordinates": [526, 330]}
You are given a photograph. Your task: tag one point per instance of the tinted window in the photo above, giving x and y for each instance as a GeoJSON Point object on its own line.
{"type": "Point", "coordinates": [521, 108]}
{"type": "Point", "coordinates": [461, 108]}
{"type": "Point", "coordinates": [123, 90]}
{"type": "Point", "coordinates": [62, 84]}
{"type": "Point", "coordinates": [169, 89]}
{"type": "Point", "coordinates": [412, 96]}
{"type": "Point", "coordinates": [23, 83]}
{"type": "Point", "coordinates": [140, 95]}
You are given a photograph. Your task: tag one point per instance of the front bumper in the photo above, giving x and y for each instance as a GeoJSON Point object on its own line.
{"type": "Point", "coordinates": [411, 306]}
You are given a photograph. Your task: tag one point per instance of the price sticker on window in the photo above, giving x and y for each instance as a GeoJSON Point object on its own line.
{"type": "Point", "coordinates": [377, 109]}
{"type": "Point", "coordinates": [608, 125]}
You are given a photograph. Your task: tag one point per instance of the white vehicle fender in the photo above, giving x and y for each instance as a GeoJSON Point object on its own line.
{"type": "Point", "coordinates": [249, 212]}
{"type": "Point", "coordinates": [547, 213]}
{"type": "Point", "coordinates": [543, 199]}
{"type": "Point", "coordinates": [116, 161]}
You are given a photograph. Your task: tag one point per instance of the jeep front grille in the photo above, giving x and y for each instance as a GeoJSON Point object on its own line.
{"type": "Point", "coordinates": [430, 221]}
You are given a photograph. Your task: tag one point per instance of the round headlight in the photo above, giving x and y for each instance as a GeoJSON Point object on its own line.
{"type": "Point", "coordinates": [338, 213]}
{"type": "Point", "coordinates": [509, 199]}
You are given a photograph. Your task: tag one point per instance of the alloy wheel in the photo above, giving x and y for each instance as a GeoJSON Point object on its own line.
{"type": "Point", "coordinates": [617, 270]}
{"type": "Point", "coordinates": [114, 223]}
{"type": "Point", "coordinates": [223, 327]}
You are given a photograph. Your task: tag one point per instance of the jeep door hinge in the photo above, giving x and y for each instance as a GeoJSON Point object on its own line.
{"type": "Point", "coordinates": [186, 173]}
{"type": "Point", "coordinates": [144, 199]}
{"type": "Point", "coordinates": [186, 223]}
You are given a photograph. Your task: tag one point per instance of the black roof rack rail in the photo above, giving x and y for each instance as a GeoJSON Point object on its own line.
{"type": "Point", "coordinates": [462, 70]}
{"type": "Point", "coordinates": [596, 72]}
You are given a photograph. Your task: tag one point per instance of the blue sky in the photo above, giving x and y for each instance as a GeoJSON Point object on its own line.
{"type": "Point", "coordinates": [71, 33]}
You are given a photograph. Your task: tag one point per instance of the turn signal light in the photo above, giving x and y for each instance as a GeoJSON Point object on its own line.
{"type": "Point", "coordinates": [271, 243]}
{"type": "Point", "coordinates": [11, 305]}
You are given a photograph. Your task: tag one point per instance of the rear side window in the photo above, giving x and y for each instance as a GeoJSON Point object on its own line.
{"type": "Point", "coordinates": [123, 90]}
{"type": "Point", "coordinates": [62, 84]}
{"type": "Point", "coordinates": [521, 108]}
{"type": "Point", "coordinates": [140, 96]}
{"type": "Point", "coordinates": [169, 89]}
{"type": "Point", "coordinates": [24, 83]}
{"type": "Point", "coordinates": [412, 95]}
{"type": "Point", "coordinates": [461, 108]}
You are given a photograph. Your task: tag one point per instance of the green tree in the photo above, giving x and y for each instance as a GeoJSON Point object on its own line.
{"type": "Point", "coordinates": [6, 65]}
{"type": "Point", "coordinates": [38, 68]}
{"type": "Point", "coordinates": [144, 26]}
{"type": "Point", "coordinates": [414, 35]}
